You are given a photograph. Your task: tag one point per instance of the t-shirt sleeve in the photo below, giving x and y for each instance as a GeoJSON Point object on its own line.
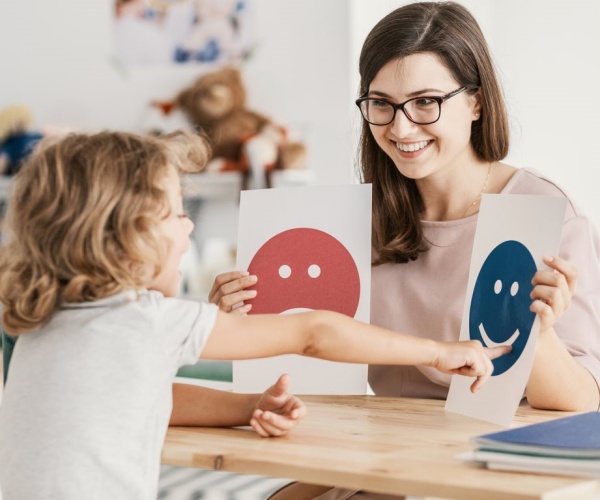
{"type": "Point", "coordinates": [186, 325]}
{"type": "Point", "coordinates": [579, 327]}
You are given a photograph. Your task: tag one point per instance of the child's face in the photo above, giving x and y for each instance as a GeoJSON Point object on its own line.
{"type": "Point", "coordinates": [177, 226]}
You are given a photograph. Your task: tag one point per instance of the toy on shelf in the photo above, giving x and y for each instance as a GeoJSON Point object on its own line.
{"type": "Point", "coordinates": [242, 140]}
{"type": "Point", "coordinates": [17, 138]}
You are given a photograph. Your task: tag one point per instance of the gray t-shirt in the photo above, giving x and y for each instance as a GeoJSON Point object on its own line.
{"type": "Point", "coordinates": [87, 404]}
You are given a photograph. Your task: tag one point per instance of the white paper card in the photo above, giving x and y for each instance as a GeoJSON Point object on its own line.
{"type": "Point", "coordinates": [311, 249]}
{"type": "Point", "coordinates": [513, 234]}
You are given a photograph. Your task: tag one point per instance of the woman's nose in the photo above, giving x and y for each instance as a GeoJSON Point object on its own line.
{"type": "Point", "coordinates": [402, 126]}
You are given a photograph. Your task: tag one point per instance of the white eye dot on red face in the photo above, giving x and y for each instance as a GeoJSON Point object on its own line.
{"type": "Point", "coordinates": [514, 289]}
{"type": "Point", "coordinates": [314, 271]}
{"type": "Point", "coordinates": [497, 287]}
{"type": "Point", "coordinates": [285, 271]}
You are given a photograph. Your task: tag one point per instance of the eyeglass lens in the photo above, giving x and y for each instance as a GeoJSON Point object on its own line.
{"type": "Point", "coordinates": [419, 110]}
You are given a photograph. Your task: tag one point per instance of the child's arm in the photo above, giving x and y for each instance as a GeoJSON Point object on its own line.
{"type": "Point", "coordinates": [336, 337]}
{"type": "Point", "coordinates": [272, 413]}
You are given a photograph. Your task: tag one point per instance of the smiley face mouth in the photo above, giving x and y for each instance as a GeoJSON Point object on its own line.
{"type": "Point", "coordinates": [490, 343]}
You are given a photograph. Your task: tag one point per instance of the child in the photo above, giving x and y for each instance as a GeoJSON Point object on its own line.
{"type": "Point", "coordinates": [88, 279]}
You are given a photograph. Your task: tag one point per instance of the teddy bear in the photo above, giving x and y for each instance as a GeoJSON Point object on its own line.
{"type": "Point", "coordinates": [241, 139]}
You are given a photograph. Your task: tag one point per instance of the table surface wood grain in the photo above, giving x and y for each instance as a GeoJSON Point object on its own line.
{"type": "Point", "coordinates": [386, 445]}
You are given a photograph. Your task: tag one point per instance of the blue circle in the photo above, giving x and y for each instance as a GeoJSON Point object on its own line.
{"type": "Point", "coordinates": [501, 299]}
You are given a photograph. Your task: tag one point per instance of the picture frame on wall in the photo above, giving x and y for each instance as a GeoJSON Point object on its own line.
{"type": "Point", "coordinates": [182, 32]}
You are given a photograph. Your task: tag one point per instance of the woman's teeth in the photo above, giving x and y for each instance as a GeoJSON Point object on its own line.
{"type": "Point", "coordinates": [413, 146]}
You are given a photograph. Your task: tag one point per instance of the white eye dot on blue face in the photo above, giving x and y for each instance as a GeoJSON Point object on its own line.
{"type": "Point", "coordinates": [514, 288]}
{"type": "Point", "coordinates": [285, 271]}
{"type": "Point", "coordinates": [497, 287]}
{"type": "Point", "coordinates": [314, 271]}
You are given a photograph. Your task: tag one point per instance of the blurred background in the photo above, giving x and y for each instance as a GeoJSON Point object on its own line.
{"type": "Point", "coordinates": [59, 59]}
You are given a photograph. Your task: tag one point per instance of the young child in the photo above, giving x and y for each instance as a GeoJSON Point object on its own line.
{"type": "Point", "coordinates": [88, 278]}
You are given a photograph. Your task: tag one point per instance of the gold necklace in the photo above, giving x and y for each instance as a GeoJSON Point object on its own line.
{"type": "Point", "coordinates": [478, 197]}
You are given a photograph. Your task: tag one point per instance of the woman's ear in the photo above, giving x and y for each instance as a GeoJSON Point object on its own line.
{"type": "Point", "coordinates": [476, 112]}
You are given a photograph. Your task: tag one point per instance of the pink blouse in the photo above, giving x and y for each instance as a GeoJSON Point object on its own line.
{"type": "Point", "coordinates": [425, 297]}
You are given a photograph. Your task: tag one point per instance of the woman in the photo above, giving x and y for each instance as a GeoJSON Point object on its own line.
{"type": "Point", "coordinates": [434, 134]}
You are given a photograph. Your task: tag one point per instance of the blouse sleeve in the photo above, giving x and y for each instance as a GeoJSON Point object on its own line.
{"type": "Point", "coordinates": [579, 327]}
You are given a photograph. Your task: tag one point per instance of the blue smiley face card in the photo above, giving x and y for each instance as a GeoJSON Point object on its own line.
{"type": "Point", "coordinates": [513, 234]}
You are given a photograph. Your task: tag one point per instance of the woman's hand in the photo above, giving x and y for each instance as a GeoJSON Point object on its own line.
{"type": "Point", "coordinates": [468, 358]}
{"type": "Point", "coordinates": [229, 291]}
{"type": "Point", "coordinates": [277, 412]}
{"type": "Point", "coordinates": [552, 291]}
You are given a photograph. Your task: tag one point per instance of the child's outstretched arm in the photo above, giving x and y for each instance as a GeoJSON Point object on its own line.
{"type": "Point", "coordinates": [333, 336]}
{"type": "Point", "coordinates": [273, 413]}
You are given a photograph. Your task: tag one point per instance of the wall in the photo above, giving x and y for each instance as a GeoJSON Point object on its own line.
{"type": "Point", "coordinates": [547, 53]}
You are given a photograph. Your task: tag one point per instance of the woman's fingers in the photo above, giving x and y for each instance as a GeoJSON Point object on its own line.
{"type": "Point", "coordinates": [229, 290]}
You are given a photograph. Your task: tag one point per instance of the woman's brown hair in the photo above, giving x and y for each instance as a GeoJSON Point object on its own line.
{"type": "Point", "coordinates": [449, 31]}
{"type": "Point", "coordinates": [83, 220]}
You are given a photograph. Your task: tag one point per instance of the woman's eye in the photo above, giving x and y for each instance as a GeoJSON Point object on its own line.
{"type": "Point", "coordinates": [425, 102]}
{"type": "Point", "coordinates": [379, 104]}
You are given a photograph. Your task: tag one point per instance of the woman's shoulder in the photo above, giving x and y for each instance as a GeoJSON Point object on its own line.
{"type": "Point", "coordinates": [532, 182]}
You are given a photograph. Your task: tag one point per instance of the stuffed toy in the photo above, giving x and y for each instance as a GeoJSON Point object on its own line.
{"type": "Point", "coordinates": [241, 139]}
{"type": "Point", "coordinates": [17, 139]}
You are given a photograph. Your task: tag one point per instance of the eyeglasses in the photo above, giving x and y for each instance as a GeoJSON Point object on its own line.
{"type": "Point", "coordinates": [423, 110]}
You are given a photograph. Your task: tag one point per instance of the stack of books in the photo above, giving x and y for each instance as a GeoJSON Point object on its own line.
{"type": "Point", "coordinates": [565, 446]}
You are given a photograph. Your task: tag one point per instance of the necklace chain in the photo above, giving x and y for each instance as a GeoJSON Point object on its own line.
{"type": "Point", "coordinates": [478, 197]}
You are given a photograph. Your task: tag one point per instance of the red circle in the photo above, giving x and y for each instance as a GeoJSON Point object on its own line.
{"type": "Point", "coordinates": [336, 288]}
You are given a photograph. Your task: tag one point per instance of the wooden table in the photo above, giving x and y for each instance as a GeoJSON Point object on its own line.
{"type": "Point", "coordinates": [386, 445]}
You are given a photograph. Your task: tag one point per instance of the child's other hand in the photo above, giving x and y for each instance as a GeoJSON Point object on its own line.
{"type": "Point", "coordinates": [229, 291]}
{"type": "Point", "coordinates": [277, 412]}
{"type": "Point", "coordinates": [469, 358]}
{"type": "Point", "coordinates": [552, 291]}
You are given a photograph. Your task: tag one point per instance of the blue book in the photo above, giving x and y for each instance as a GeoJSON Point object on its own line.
{"type": "Point", "coordinates": [575, 436]}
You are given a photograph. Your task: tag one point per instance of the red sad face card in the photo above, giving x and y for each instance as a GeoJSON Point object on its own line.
{"type": "Point", "coordinates": [304, 268]}
{"type": "Point", "coordinates": [310, 248]}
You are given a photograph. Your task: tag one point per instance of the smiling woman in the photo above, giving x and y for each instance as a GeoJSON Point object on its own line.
{"type": "Point", "coordinates": [428, 174]}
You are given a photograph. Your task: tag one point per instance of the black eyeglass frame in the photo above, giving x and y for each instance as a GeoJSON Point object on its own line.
{"type": "Point", "coordinates": [396, 107]}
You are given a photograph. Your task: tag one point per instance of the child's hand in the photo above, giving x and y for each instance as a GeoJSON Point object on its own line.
{"type": "Point", "coordinates": [229, 291]}
{"type": "Point", "coordinates": [469, 358]}
{"type": "Point", "coordinates": [552, 291]}
{"type": "Point", "coordinates": [277, 412]}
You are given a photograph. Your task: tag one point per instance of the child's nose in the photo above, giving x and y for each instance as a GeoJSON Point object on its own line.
{"type": "Point", "coordinates": [191, 226]}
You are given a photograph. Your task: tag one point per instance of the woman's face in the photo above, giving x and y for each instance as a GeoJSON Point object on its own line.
{"type": "Point", "coordinates": [177, 226]}
{"type": "Point", "coordinates": [419, 151]}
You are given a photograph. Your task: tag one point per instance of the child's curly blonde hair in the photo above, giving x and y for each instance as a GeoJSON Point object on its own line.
{"type": "Point", "coordinates": [83, 220]}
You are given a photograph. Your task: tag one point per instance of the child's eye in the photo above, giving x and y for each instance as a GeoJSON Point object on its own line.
{"type": "Point", "coordinates": [184, 215]}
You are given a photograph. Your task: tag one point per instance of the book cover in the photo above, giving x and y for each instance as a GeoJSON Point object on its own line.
{"type": "Point", "coordinates": [583, 467]}
{"type": "Point", "coordinates": [572, 436]}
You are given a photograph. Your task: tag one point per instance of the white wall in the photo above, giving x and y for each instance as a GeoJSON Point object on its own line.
{"type": "Point", "coordinates": [548, 56]}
